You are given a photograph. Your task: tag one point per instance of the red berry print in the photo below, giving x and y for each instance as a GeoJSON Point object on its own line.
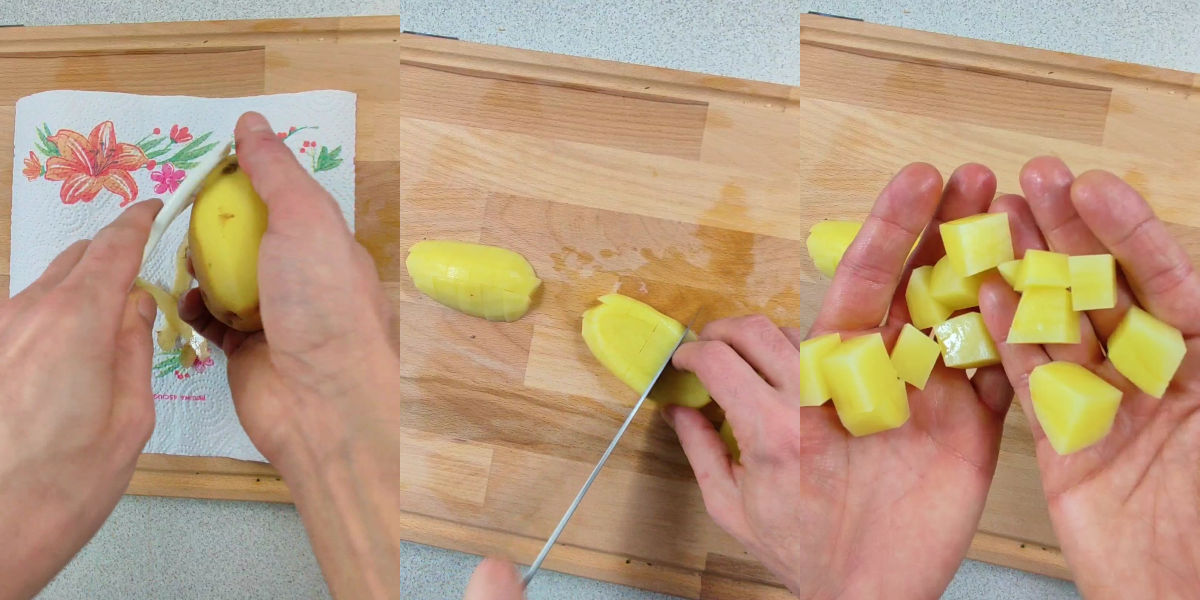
{"type": "Point", "coordinates": [151, 164]}
{"type": "Point", "coordinates": [292, 129]}
{"type": "Point", "coordinates": [301, 150]}
{"type": "Point", "coordinates": [157, 131]}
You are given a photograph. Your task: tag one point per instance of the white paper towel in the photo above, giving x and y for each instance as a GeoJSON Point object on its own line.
{"type": "Point", "coordinates": [83, 157]}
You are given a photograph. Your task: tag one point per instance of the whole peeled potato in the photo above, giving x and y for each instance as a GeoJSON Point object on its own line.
{"type": "Point", "coordinates": [228, 222]}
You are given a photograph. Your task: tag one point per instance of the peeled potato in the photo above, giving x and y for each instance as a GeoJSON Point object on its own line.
{"type": "Point", "coordinates": [228, 222]}
{"type": "Point", "coordinates": [494, 283]}
{"type": "Point", "coordinates": [827, 242]}
{"type": "Point", "coordinates": [632, 340]}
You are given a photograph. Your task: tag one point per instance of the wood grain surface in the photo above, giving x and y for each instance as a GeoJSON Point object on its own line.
{"type": "Point", "coordinates": [680, 189]}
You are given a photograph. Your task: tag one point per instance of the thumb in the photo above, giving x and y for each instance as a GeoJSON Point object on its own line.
{"type": "Point", "coordinates": [295, 201]}
{"type": "Point", "coordinates": [495, 579]}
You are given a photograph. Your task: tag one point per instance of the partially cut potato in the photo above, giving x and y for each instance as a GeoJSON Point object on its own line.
{"type": "Point", "coordinates": [1074, 406]}
{"type": "Point", "coordinates": [632, 340]}
{"type": "Point", "coordinates": [1146, 351]}
{"type": "Point", "coordinates": [494, 283]}
{"type": "Point", "coordinates": [867, 392]}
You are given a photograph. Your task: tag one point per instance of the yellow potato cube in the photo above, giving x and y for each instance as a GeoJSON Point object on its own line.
{"type": "Point", "coordinates": [914, 356]}
{"type": "Point", "coordinates": [1043, 269]}
{"type": "Point", "coordinates": [813, 389]}
{"type": "Point", "coordinates": [1093, 281]}
{"type": "Point", "coordinates": [1146, 351]}
{"type": "Point", "coordinates": [1074, 406]}
{"type": "Point", "coordinates": [923, 310]}
{"type": "Point", "coordinates": [977, 243]}
{"type": "Point", "coordinates": [966, 343]}
{"type": "Point", "coordinates": [953, 290]}
{"type": "Point", "coordinates": [827, 242]}
{"type": "Point", "coordinates": [726, 433]}
{"type": "Point", "coordinates": [1008, 270]}
{"type": "Point", "coordinates": [1044, 316]}
{"type": "Point", "coordinates": [867, 394]}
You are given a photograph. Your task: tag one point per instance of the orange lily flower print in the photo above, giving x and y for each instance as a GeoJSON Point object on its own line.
{"type": "Point", "coordinates": [86, 165]}
{"type": "Point", "coordinates": [33, 167]}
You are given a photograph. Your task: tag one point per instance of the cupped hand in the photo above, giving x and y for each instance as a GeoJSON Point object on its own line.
{"type": "Point", "coordinates": [1127, 509]}
{"type": "Point", "coordinates": [886, 515]}
{"type": "Point", "coordinates": [75, 400]}
{"type": "Point", "coordinates": [309, 378]}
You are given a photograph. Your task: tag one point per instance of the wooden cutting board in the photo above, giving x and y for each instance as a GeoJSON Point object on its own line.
{"type": "Point", "coordinates": [677, 188]}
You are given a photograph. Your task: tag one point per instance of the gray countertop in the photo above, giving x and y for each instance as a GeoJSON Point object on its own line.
{"type": "Point", "coordinates": [164, 548]}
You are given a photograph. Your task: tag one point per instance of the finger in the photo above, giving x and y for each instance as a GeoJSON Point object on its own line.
{"type": "Point", "coordinates": [1159, 271]}
{"type": "Point", "coordinates": [495, 579]}
{"type": "Point", "coordinates": [297, 203]}
{"type": "Point", "coordinates": [133, 401]}
{"type": "Point", "coordinates": [193, 312]}
{"type": "Point", "coordinates": [729, 379]}
{"type": "Point", "coordinates": [969, 191]}
{"type": "Point", "coordinates": [58, 269]}
{"type": "Point", "coordinates": [870, 271]}
{"type": "Point", "coordinates": [998, 303]}
{"type": "Point", "coordinates": [993, 388]}
{"type": "Point", "coordinates": [1046, 182]}
{"type": "Point", "coordinates": [111, 261]}
{"type": "Point", "coordinates": [1027, 236]}
{"type": "Point", "coordinates": [762, 345]}
{"type": "Point", "coordinates": [710, 461]}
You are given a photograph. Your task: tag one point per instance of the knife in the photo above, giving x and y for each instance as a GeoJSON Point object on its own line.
{"type": "Point", "coordinates": [562, 523]}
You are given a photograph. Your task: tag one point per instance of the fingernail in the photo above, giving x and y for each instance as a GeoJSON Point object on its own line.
{"type": "Point", "coordinates": [147, 308]}
{"type": "Point", "coordinates": [255, 123]}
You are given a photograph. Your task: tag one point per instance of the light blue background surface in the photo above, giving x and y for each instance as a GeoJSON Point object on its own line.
{"type": "Point", "coordinates": [163, 548]}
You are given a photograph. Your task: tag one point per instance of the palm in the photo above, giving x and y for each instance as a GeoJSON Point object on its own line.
{"type": "Point", "coordinates": [1125, 510]}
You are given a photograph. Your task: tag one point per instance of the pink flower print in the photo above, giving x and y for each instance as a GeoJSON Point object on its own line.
{"type": "Point", "coordinates": [180, 135]}
{"type": "Point", "coordinates": [167, 179]}
{"type": "Point", "coordinates": [201, 366]}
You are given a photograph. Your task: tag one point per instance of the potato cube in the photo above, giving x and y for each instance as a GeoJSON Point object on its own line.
{"type": "Point", "coordinates": [1093, 281]}
{"type": "Point", "coordinates": [953, 290]}
{"type": "Point", "coordinates": [1044, 316]}
{"type": "Point", "coordinates": [1008, 270]}
{"type": "Point", "coordinates": [731, 444]}
{"type": "Point", "coordinates": [977, 243]}
{"type": "Point", "coordinates": [827, 242]}
{"type": "Point", "coordinates": [1074, 406]}
{"type": "Point", "coordinates": [923, 310]}
{"type": "Point", "coordinates": [1043, 269]}
{"type": "Point", "coordinates": [966, 343]}
{"type": "Point", "coordinates": [914, 356]}
{"type": "Point", "coordinates": [1146, 351]}
{"type": "Point", "coordinates": [813, 389]}
{"type": "Point", "coordinates": [868, 395]}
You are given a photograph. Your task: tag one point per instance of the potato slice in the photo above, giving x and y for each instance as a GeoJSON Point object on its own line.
{"type": "Point", "coordinates": [914, 356]}
{"type": "Point", "coordinates": [632, 340]}
{"type": "Point", "coordinates": [923, 309]}
{"type": "Point", "coordinates": [1146, 351]}
{"type": "Point", "coordinates": [977, 243]}
{"type": "Point", "coordinates": [813, 389]}
{"type": "Point", "coordinates": [954, 291]}
{"type": "Point", "coordinates": [867, 393]}
{"type": "Point", "coordinates": [1093, 280]}
{"type": "Point", "coordinates": [1040, 268]}
{"type": "Point", "coordinates": [966, 343]}
{"type": "Point", "coordinates": [827, 242]}
{"type": "Point", "coordinates": [494, 283]}
{"type": "Point", "coordinates": [1074, 406]}
{"type": "Point", "coordinates": [1044, 316]}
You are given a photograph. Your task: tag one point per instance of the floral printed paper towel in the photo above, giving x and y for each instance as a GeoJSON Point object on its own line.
{"type": "Point", "coordinates": [83, 157]}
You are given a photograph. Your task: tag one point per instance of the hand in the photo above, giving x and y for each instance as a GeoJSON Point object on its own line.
{"type": "Point", "coordinates": [314, 389]}
{"type": "Point", "coordinates": [75, 401]}
{"type": "Point", "coordinates": [495, 579]}
{"type": "Point", "coordinates": [1126, 510]}
{"type": "Point", "coordinates": [887, 515]}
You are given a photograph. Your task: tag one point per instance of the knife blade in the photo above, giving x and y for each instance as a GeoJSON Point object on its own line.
{"type": "Point", "coordinates": [562, 523]}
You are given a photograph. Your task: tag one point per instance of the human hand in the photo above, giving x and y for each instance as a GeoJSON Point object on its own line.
{"type": "Point", "coordinates": [886, 515]}
{"type": "Point", "coordinates": [315, 389]}
{"type": "Point", "coordinates": [495, 579]}
{"type": "Point", "coordinates": [75, 402]}
{"type": "Point", "coordinates": [1126, 510]}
